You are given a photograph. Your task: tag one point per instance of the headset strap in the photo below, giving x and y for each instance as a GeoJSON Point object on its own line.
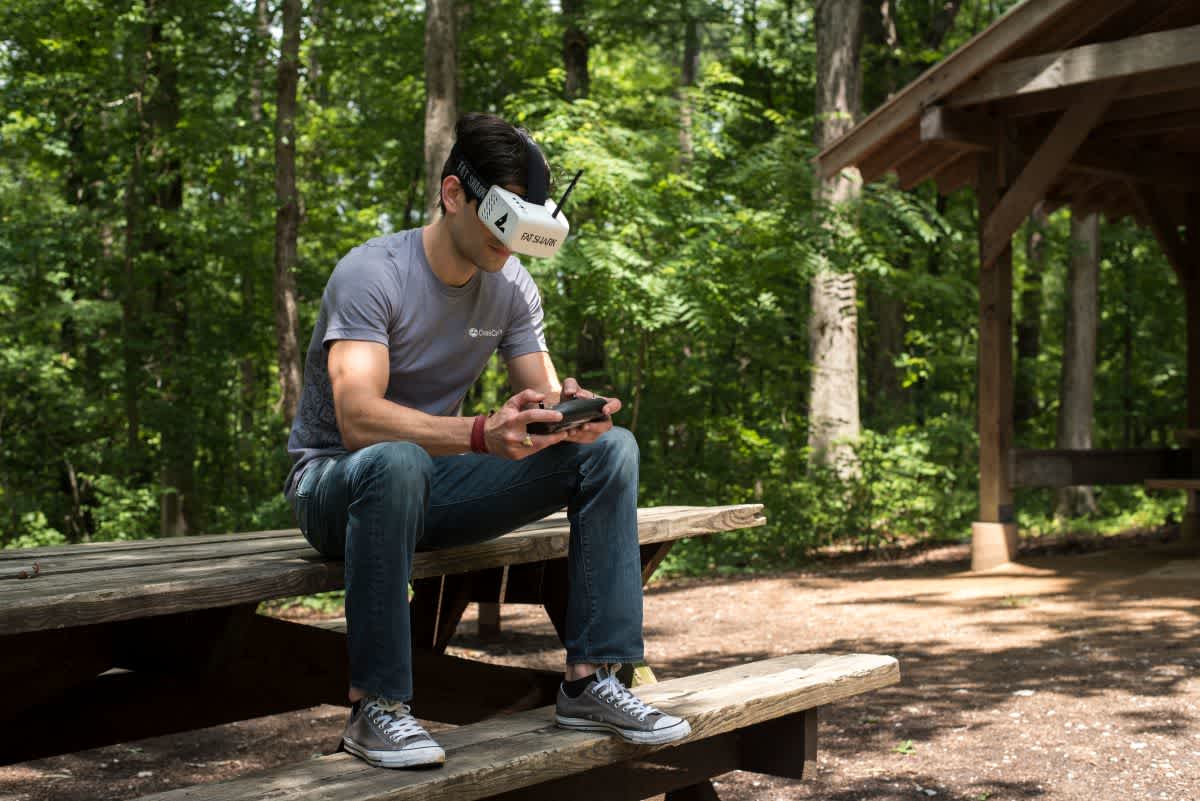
{"type": "Point", "coordinates": [470, 179]}
{"type": "Point", "coordinates": [537, 175]}
{"type": "Point", "coordinates": [537, 181]}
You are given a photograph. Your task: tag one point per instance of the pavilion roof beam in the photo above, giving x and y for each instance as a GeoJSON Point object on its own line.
{"type": "Point", "coordinates": [1140, 89]}
{"type": "Point", "coordinates": [957, 174]}
{"type": "Point", "coordinates": [923, 164]}
{"type": "Point", "coordinates": [991, 44]}
{"type": "Point", "coordinates": [1104, 61]}
{"type": "Point", "coordinates": [1040, 172]}
{"type": "Point", "coordinates": [970, 130]}
{"type": "Point", "coordinates": [1175, 102]}
{"type": "Point", "coordinates": [1151, 126]}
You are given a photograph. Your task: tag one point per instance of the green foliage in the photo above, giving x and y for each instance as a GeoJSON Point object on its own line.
{"type": "Point", "coordinates": [137, 329]}
{"type": "Point", "coordinates": [904, 492]}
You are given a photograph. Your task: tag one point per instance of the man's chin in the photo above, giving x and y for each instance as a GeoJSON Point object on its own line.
{"type": "Point", "coordinates": [493, 259]}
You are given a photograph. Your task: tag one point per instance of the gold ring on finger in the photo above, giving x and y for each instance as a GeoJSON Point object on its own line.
{"type": "Point", "coordinates": [528, 441]}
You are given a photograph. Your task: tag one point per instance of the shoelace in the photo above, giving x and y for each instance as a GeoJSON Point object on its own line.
{"type": "Point", "coordinates": [394, 718]}
{"type": "Point", "coordinates": [613, 691]}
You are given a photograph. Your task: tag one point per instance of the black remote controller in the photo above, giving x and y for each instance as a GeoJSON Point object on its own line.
{"type": "Point", "coordinates": [575, 412]}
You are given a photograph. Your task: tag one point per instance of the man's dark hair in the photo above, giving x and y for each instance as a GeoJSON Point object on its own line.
{"type": "Point", "coordinates": [494, 148]}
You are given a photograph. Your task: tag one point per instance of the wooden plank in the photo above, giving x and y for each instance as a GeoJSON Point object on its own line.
{"type": "Point", "coordinates": [84, 556]}
{"type": "Point", "coordinates": [784, 747]}
{"type": "Point", "coordinates": [1157, 105]}
{"type": "Point", "coordinates": [1103, 61]}
{"type": "Point", "coordinates": [976, 131]}
{"type": "Point", "coordinates": [93, 560]}
{"type": "Point", "coordinates": [970, 129]}
{"type": "Point", "coordinates": [995, 363]}
{"type": "Point", "coordinates": [663, 771]}
{"type": "Point", "coordinates": [924, 164]}
{"type": "Point", "coordinates": [1043, 169]}
{"type": "Point", "coordinates": [127, 594]}
{"type": "Point", "coordinates": [1077, 468]}
{"type": "Point", "coordinates": [1173, 484]}
{"type": "Point", "coordinates": [1135, 89]}
{"type": "Point", "coordinates": [1108, 160]}
{"type": "Point", "coordinates": [61, 599]}
{"type": "Point", "coordinates": [1151, 126]}
{"type": "Point", "coordinates": [156, 544]}
{"type": "Point", "coordinates": [1097, 23]}
{"type": "Point", "coordinates": [992, 44]}
{"type": "Point", "coordinates": [1191, 288]}
{"type": "Point", "coordinates": [526, 749]}
{"type": "Point", "coordinates": [957, 174]}
{"type": "Point", "coordinates": [883, 160]}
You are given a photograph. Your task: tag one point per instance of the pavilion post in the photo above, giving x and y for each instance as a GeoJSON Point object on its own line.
{"type": "Point", "coordinates": [1190, 275]}
{"type": "Point", "coordinates": [1191, 517]}
{"type": "Point", "coordinates": [994, 535]}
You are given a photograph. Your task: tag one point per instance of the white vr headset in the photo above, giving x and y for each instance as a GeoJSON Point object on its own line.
{"type": "Point", "coordinates": [531, 225]}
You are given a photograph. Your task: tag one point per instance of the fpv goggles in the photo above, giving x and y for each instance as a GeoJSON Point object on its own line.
{"type": "Point", "coordinates": [531, 225]}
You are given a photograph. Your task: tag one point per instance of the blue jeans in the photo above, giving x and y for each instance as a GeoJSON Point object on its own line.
{"type": "Point", "coordinates": [376, 506]}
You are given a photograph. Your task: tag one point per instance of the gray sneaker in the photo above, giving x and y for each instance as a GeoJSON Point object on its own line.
{"type": "Point", "coordinates": [386, 735]}
{"type": "Point", "coordinates": [608, 705]}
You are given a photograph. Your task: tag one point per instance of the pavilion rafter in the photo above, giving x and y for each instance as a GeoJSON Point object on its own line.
{"type": "Point", "coordinates": [1043, 167]}
{"type": "Point", "coordinates": [1103, 61]}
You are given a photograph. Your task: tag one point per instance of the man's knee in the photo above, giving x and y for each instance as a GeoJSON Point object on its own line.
{"type": "Point", "coordinates": [619, 452]}
{"type": "Point", "coordinates": [403, 467]}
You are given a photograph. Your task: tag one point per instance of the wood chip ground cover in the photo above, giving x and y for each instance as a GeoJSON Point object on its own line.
{"type": "Point", "coordinates": [1072, 676]}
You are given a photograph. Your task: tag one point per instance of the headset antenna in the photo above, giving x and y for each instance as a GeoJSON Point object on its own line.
{"type": "Point", "coordinates": [567, 194]}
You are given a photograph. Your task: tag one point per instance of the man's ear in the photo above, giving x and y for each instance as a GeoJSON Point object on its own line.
{"type": "Point", "coordinates": [453, 196]}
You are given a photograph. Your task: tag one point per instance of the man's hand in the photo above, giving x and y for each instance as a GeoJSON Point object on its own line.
{"type": "Point", "coordinates": [588, 432]}
{"type": "Point", "coordinates": [505, 430]}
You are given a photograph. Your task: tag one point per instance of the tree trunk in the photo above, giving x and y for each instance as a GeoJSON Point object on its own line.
{"type": "Point", "coordinates": [575, 50]}
{"type": "Point", "coordinates": [590, 346]}
{"type": "Point", "coordinates": [688, 74]}
{"type": "Point", "coordinates": [287, 213]}
{"type": "Point", "coordinates": [1075, 408]}
{"type": "Point", "coordinates": [833, 327]}
{"type": "Point", "coordinates": [248, 365]}
{"type": "Point", "coordinates": [175, 418]}
{"type": "Point", "coordinates": [885, 307]}
{"type": "Point", "coordinates": [314, 81]}
{"type": "Point", "coordinates": [884, 393]}
{"type": "Point", "coordinates": [131, 292]}
{"type": "Point", "coordinates": [941, 24]}
{"type": "Point", "coordinates": [441, 100]}
{"type": "Point", "coordinates": [1029, 327]}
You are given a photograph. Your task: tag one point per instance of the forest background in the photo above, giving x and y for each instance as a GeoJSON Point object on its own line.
{"type": "Point", "coordinates": [179, 177]}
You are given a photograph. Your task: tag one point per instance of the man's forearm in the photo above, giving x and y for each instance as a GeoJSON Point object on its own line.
{"type": "Point", "coordinates": [369, 421]}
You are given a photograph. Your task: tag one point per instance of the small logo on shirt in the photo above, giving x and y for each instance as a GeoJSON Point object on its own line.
{"type": "Point", "coordinates": [484, 332]}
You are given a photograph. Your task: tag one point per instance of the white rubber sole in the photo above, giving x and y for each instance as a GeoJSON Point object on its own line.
{"type": "Point", "coordinates": [658, 737]}
{"type": "Point", "coordinates": [408, 758]}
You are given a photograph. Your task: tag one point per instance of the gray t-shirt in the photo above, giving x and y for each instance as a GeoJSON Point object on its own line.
{"type": "Point", "coordinates": [439, 337]}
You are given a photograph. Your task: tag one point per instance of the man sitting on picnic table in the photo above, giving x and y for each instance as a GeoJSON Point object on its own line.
{"type": "Point", "coordinates": [384, 466]}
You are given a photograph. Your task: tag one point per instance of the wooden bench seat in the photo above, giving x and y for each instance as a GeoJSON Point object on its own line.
{"type": "Point", "coordinates": [178, 619]}
{"type": "Point", "coordinates": [760, 716]}
{"type": "Point", "coordinates": [1173, 483]}
{"type": "Point", "coordinates": [75, 585]}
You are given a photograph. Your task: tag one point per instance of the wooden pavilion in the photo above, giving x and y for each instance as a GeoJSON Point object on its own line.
{"type": "Point", "coordinates": [1093, 104]}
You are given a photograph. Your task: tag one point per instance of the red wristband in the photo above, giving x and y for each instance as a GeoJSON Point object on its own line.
{"type": "Point", "coordinates": [478, 443]}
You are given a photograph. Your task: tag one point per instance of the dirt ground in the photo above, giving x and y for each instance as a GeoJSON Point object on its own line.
{"type": "Point", "coordinates": [1073, 675]}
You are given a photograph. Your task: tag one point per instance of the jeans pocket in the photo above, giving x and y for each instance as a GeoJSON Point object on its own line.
{"type": "Point", "coordinates": [302, 499]}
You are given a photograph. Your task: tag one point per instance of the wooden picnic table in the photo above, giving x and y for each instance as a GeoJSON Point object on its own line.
{"type": "Point", "coordinates": [147, 637]}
